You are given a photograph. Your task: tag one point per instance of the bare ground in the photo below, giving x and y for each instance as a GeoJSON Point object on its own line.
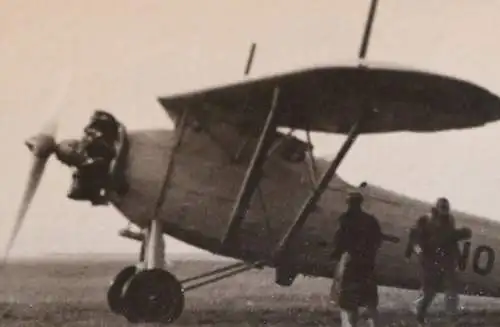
{"type": "Point", "coordinates": [73, 294]}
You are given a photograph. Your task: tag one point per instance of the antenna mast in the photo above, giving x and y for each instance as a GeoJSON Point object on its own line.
{"type": "Point", "coordinates": [250, 59]}
{"type": "Point", "coordinates": [368, 30]}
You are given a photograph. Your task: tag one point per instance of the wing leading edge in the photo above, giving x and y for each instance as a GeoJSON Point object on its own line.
{"type": "Point", "coordinates": [329, 99]}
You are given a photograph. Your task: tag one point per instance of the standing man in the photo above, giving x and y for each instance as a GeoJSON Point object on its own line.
{"type": "Point", "coordinates": [435, 240]}
{"type": "Point", "coordinates": [356, 243]}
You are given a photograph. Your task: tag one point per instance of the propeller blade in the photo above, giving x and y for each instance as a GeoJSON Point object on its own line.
{"type": "Point", "coordinates": [35, 176]}
{"type": "Point", "coordinates": [41, 146]}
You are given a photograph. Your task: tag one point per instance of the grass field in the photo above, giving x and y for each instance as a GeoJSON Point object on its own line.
{"type": "Point", "coordinates": [72, 293]}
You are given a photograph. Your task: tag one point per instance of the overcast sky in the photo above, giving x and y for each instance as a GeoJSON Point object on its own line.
{"type": "Point", "coordinates": [123, 54]}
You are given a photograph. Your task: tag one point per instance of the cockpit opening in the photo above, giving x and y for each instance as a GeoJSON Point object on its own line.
{"type": "Point", "coordinates": [292, 149]}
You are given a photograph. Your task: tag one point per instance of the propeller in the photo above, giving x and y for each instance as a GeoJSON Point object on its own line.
{"type": "Point", "coordinates": [42, 146]}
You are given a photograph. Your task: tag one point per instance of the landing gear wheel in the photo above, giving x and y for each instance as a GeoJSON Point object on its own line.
{"type": "Point", "coordinates": [115, 291]}
{"type": "Point", "coordinates": [153, 296]}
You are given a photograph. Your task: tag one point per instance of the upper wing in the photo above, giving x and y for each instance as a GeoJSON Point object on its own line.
{"type": "Point", "coordinates": [329, 99]}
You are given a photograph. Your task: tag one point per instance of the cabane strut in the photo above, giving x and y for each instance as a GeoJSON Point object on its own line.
{"type": "Point", "coordinates": [254, 170]}
{"type": "Point", "coordinates": [309, 205]}
{"type": "Point", "coordinates": [311, 202]}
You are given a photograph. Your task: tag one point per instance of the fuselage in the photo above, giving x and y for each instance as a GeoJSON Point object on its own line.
{"type": "Point", "coordinates": [206, 179]}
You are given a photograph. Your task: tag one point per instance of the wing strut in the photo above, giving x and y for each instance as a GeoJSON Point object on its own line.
{"type": "Point", "coordinates": [180, 129]}
{"type": "Point", "coordinates": [310, 203]}
{"type": "Point", "coordinates": [367, 110]}
{"type": "Point", "coordinates": [252, 175]}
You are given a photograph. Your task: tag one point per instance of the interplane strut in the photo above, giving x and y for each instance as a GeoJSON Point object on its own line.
{"type": "Point", "coordinates": [368, 108]}
{"type": "Point", "coordinates": [252, 175]}
{"type": "Point", "coordinates": [152, 252]}
{"type": "Point", "coordinates": [180, 129]}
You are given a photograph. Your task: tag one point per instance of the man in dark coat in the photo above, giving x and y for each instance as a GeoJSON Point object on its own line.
{"type": "Point", "coordinates": [435, 240]}
{"type": "Point", "coordinates": [356, 243]}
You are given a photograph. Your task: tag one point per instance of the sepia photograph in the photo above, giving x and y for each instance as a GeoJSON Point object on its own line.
{"type": "Point", "coordinates": [249, 163]}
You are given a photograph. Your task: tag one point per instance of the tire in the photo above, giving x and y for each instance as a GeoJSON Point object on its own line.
{"type": "Point", "coordinates": [116, 289]}
{"type": "Point", "coordinates": [153, 296]}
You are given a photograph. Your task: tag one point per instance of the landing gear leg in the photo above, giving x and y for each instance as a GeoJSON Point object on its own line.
{"type": "Point", "coordinates": [148, 293]}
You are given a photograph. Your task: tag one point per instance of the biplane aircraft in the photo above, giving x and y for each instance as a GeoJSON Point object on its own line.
{"type": "Point", "coordinates": [228, 181]}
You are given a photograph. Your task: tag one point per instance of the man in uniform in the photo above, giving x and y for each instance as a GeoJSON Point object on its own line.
{"type": "Point", "coordinates": [435, 240]}
{"type": "Point", "coordinates": [356, 243]}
